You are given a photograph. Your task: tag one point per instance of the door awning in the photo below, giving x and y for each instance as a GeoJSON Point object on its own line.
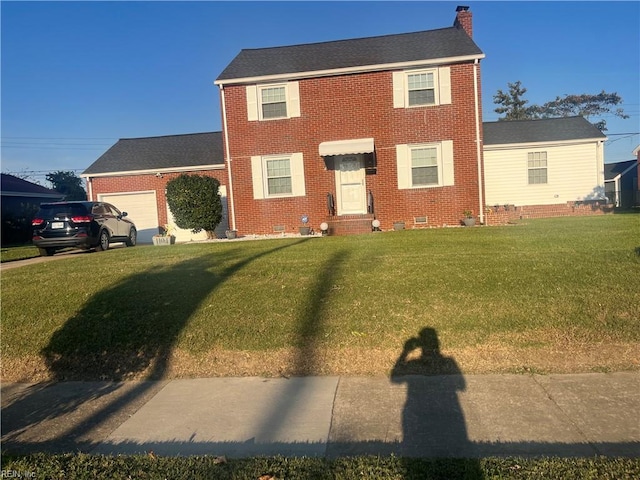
{"type": "Point", "coordinates": [346, 147]}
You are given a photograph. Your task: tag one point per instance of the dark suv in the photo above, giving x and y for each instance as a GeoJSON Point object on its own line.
{"type": "Point", "coordinates": [82, 225]}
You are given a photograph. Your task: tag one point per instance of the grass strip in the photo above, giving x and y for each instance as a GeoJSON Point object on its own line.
{"type": "Point", "coordinates": [22, 252]}
{"type": "Point", "coordinates": [95, 467]}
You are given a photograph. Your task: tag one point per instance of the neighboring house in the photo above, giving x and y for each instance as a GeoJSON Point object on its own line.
{"type": "Point", "coordinates": [133, 173]}
{"type": "Point", "coordinates": [621, 183]}
{"type": "Point", "coordinates": [20, 201]}
{"type": "Point", "coordinates": [543, 167]}
{"type": "Point", "coordinates": [345, 131]}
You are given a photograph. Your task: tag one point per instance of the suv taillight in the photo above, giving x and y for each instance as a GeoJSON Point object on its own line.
{"type": "Point", "coordinates": [81, 219]}
{"type": "Point", "coordinates": [37, 222]}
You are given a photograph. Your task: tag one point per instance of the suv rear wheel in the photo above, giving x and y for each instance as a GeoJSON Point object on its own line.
{"type": "Point", "coordinates": [103, 243]}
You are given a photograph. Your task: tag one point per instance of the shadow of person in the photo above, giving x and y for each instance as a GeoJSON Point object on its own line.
{"type": "Point", "coordinates": [433, 423]}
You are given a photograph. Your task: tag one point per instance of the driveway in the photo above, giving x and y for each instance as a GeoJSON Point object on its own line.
{"type": "Point", "coordinates": [58, 256]}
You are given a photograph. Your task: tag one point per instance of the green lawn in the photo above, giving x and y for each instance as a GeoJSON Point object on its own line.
{"type": "Point", "coordinates": [547, 295]}
{"type": "Point", "coordinates": [9, 254]}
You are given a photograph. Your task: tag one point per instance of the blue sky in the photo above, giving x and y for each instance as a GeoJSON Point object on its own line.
{"type": "Point", "coordinates": [76, 76]}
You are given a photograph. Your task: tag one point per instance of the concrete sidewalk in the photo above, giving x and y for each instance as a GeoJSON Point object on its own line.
{"type": "Point", "coordinates": [449, 415]}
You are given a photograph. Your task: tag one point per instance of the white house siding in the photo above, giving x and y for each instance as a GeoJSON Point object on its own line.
{"type": "Point", "coordinates": [574, 172]}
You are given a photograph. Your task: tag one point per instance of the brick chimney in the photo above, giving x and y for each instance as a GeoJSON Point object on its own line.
{"type": "Point", "coordinates": [464, 19]}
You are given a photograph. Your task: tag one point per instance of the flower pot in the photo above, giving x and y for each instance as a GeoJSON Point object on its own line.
{"type": "Point", "coordinates": [305, 230]}
{"type": "Point", "coordinates": [231, 234]}
{"type": "Point", "coordinates": [398, 225]}
{"type": "Point", "coordinates": [168, 240]}
{"type": "Point", "coordinates": [469, 222]}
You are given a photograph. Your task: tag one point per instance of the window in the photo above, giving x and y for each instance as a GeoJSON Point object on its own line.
{"type": "Point", "coordinates": [537, 166]}
{"type": "Point", "coordinates": [273, 101]}
{"type": "Point", "coordinates": [421, 89]}
{"type": "Point", "coordinates": [425, 165]}
{"type": "Point", "coordinates": [276, 176]}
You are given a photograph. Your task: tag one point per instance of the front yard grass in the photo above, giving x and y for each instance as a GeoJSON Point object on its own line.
{"type": "Point", "coordinates": [552, 295]}
{"type": "Point", "coordinates": [20, 252]}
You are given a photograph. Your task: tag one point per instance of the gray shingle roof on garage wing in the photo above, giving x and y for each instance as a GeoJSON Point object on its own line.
{"type": "Point", "coordinates": [506, 132]}
{"type": "Point", "coordinates": [160, 153]}
{"type": "Point", "coordinates": [360, 52]}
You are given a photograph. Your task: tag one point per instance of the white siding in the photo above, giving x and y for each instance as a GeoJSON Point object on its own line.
{"type": "Point", "coordinates": [574, 172]}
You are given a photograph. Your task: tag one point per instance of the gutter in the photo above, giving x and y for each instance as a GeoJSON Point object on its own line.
{"type": "Point", "coordinates": [478, 140]}
{"type": "Point", "coordinates": [228, 155]}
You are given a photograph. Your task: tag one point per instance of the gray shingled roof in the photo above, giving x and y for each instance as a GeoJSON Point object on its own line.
{"type": "Point", "coordinates": [10, 185]}
{"type": "Point", "coordinates": [155, 153]}
{"type": "Point", "coordinates": [612, 170]}
{"type": "Point", "coordinates": [387, 49]}
{"type": "Point", "coordinates": [543, 130]}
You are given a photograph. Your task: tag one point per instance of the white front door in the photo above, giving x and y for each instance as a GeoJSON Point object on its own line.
{"type": "Point", "coordinates": [350, 185]}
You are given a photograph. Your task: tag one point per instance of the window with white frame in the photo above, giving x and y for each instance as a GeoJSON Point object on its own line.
{"type": "Point", "coordinates": [421, 89]}
{"type": "Point", "coordinates": [425, 165]}
{"type": "Point", "coordinates": [273, 101]}
{"type": "Point", "coordinates": [537, 167]}
{"type": "Point", "coordinates": [276, 176]}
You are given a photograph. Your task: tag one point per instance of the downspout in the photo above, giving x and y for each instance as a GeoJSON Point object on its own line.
{"type": "Point", "coordinates": [228, 154]}
{"type": "Point", "coordinates": [478, 140]}
{"type": "Point", "coordinates": [90, 188]}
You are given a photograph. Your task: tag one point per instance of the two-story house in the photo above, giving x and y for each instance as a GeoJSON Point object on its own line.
{"type": "Point", "coordinates": [347, 131]}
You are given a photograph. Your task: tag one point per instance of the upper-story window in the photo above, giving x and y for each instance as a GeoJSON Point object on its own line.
{"type": "Point", "coordinates": [425, 87]}
{"type": "Point", "coordinates": [537, 167]}
{"type": "Point", "coordinates": [273, 101]}
{"type": "Point", "coordinates": [421, 89]}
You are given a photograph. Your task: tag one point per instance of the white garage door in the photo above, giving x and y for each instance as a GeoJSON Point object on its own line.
{"type": "Point", "coordinates": [141, 208]}
{"type": "Point", "coordinates": [185, 235]}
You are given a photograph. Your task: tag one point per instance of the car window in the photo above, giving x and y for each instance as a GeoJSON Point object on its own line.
{"type": "Point", "coordinates": [112, 209]}
{"type": "Point", "coordinates": [61, 211]}
{"type": "Point", "coordinates": [98, 209]}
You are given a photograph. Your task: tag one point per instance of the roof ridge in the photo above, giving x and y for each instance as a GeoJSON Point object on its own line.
{"type": "Point", "coordinates": [326, 42]}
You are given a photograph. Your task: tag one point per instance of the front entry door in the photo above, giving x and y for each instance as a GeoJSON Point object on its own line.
{"type": "Point", "coordinates": [350, 185]}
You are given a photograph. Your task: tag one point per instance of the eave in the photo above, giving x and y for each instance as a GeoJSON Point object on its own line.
{"type": "Point", "coordinates": [153, 171]}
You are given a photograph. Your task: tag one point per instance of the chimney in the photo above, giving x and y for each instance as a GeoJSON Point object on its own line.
{"type": "Point", "coordinates": [463, 19]}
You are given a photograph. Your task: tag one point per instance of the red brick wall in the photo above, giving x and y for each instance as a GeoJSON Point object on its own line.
{"type": "Point", "coordinates": [350, 107]}
{"type": "Point", "coordinates": [504, 214]}
{"type": "Point", "coordinates": [138, 183]}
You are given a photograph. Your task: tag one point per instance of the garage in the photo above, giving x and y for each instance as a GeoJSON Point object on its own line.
{"type": "Point", "coordinates": [141, 208]}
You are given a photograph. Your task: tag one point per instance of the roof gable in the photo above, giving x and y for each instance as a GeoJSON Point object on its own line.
{"type": "Point", "coordinates": [612, 170]}
{"type": "Point", "coordinates": [160, 153]}
{"type": "Point", "coordinates": [506, 132]}
{"type": "Point", "coordinates": [361, 52]}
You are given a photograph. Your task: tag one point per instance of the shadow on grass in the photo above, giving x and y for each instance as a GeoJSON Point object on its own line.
{"type": "Point", "coordinates": [121, 332]}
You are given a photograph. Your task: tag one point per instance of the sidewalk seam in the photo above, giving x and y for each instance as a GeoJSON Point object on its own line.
{"type": "Point", "coordinates": [333, 408]}
{"type": "Point", "coordinates": [566, 417]}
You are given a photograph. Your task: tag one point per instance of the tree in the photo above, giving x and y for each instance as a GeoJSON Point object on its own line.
{"type": "Point", "coordinates": [67, 183]}
{"type": "Point", "coordinates": [513, 105]}
{"type": "Point", "coordinates": [195, 202]}
{"type": "Point", "coordinates": [586, 105]}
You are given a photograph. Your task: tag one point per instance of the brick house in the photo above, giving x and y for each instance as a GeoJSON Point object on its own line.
{"type": "Point", "coordinates": [347, 131]}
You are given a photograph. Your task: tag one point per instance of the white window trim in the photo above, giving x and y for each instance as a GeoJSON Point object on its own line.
{"type": "Point", "coordinates": [546, 157]}
{"type": "Point", "coordinates": [254, 101]}
{"type": "Point", "coordinates": [445, 164]}
{"type": "Point", "coordinates": [260, 180]}
{"type": "Point", "coordinates": [441, 84]}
